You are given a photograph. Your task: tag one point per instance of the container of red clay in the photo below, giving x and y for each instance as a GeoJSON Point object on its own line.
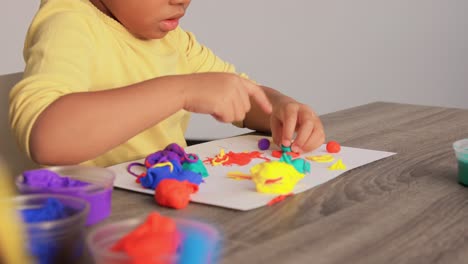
{"type": "Point", "coordinates": [92, 184]}
{"type": "Point", "coordinates": [54, 226]}
{"type": "Point", "coordinates": [154, 239]}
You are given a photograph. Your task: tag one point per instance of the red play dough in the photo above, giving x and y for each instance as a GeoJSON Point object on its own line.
{"type": "Point", "coordinates": [333, 147]}
{"type": "Point", "coordinates": [279, 153]}
{"type": "Point", "coordinates": [174, 194]}
{"type": "Point", "coordinates": [156, 238]}
{"type": "Point", "coordinates": [237, 158]}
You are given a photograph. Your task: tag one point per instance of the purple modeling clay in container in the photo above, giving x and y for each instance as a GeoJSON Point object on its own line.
{"type": "Point", "coordinates": [54, 226]}
{"type": "Point", "coordinates": [92, 184]}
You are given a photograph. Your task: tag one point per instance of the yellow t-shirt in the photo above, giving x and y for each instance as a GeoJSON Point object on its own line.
{"type": "Point", "coordinates": [71, 47]}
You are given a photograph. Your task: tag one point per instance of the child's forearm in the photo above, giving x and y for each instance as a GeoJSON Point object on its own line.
{"type": "Point", "coordinates": [80, 126]}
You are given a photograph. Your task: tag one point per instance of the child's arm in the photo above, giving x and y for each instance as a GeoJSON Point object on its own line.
{"type": "Point", "coordinates": [80, 126]}
{"type": "Point", "coordinates": [288, 116]}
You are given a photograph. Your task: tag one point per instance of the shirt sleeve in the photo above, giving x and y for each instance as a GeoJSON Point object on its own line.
{"type": "Point", "coordinates": [201, 58]}
{"type": "Point", "coordinates": [58, 55]}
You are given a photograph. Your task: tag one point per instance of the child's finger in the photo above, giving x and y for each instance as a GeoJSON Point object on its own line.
{"type": "Point", "coordinates": [289, 119]}
{"type": "Point", "coordinates": [304, 131]}
{"type": "Point", "coordinates": [315, 140]}
{"type": "Point", "coordinates": [257, 93]}
{"type": "Point", "coordinates": [245, 100]}
{"type": "Point", "coordinates": [235, 111]}
{"type": "Point", "coordinates": [276, 129]}
{"type": "Point", "coordinates": [317, 137]}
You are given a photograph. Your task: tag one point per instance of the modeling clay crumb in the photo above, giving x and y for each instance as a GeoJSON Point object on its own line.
{"type": "Point", "coordinates": [333, 147]}
{"type": "Point", "coordinates": [264, 144]}
{"type": "Point", "coordinates": [337, 165]}
{"type": "Point", "coordinates": [279, 198]}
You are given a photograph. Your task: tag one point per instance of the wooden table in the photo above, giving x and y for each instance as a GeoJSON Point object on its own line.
{"type": "Point", "coordinates": [407, 208]}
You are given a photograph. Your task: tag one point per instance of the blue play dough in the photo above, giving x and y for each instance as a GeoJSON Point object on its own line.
{"type": "Point", "coordinates": [197, 167]}
{"type": "Point", "coordinates": [42, 245]}
{"type": "Point", "coordinates": [301, 165]}
{"type": "Point", "coordinates": [52, 210]}
{"type": "Point", "coordinates": [285, 149]}
{"type": "Point", "coordinates": [198, 246]}
{"type": "Point", "coordinates": [155, 175]}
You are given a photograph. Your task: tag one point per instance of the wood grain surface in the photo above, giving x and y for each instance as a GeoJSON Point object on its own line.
{"type": "Point", "coordinates": [407, 208]}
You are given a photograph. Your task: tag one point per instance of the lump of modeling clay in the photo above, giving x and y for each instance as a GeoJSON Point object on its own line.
{"type": "Point", "coordinates": [168, 170]}
{"type": "Point", "coordinates": [174, 194]}
{"type": "Point", "coordinates": [333, 147]}
{"type": "Point", "coordinates": [264, 144]}
{"type": "Point", "coordinates": [197, 167]}
{"type": "Point", "coordinates": [154, 240]}
{"type": "Point", "coordinates": [275, 177]}
{"type": "Point", "coordinates": [52, 210]}
{"type": "Point", "coordinates": [44, 178]}
{"type": "Point", "coordinates": [173, 174]}
{"type": "Point", "coordinates": [337, 165]}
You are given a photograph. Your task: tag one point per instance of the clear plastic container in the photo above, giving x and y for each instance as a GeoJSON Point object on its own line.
{"type": "Point", "coordinates": [200, 243]}
{"type": "Point", "coordinates": [461, 152]}
{"type": "Point", "coordinates": [57, 241]}
{"type": "Point", "coordinates": [98, 193]}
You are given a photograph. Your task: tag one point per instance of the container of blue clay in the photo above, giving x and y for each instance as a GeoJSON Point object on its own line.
{"type": "Point", "coordinates": [93, 184]}
{"type": "Point", "coordinates": [54, 226]}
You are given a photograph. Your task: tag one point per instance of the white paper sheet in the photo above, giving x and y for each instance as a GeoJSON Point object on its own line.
{"type": "Point", "coordinates": [219, 190]}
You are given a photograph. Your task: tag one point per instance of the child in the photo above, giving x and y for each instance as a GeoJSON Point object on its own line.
{"type": "Point", "coordinates": [107, 81]}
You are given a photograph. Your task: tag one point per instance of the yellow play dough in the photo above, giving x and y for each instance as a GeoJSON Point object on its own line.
{"type": "Point", "coordinates": [220, 158]}
{"type": "Point", "coordinates": [321, 158]}
{"type": "Point", "coordinates": [338, 166]}
{"type": "Point", "coordinates": [282, 176]}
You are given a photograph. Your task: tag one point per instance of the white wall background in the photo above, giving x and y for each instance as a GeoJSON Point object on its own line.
{"type": "Point", "coordinates": [330, 54]}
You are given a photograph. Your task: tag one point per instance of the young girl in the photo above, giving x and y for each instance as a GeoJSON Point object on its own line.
{"type": "Point", "coordinates": [107, 81]}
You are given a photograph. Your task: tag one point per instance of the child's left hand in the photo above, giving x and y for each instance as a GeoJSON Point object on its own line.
{"type": "Point", "coordinates": [290, 116]}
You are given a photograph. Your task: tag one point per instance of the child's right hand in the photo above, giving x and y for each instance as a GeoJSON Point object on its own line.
{"type": "Point", "coordinates": [225, 96]}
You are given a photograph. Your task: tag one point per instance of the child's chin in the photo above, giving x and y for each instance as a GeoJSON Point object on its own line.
{"type": "Point", "coordinates": [151, 36]}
